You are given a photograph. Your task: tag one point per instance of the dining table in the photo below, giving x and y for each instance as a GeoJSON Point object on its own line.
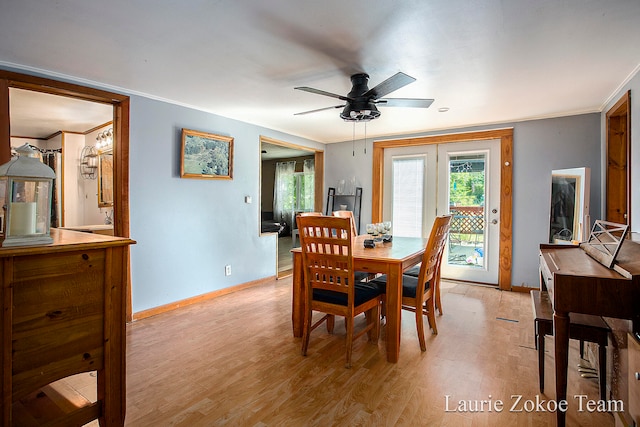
{"type": "Point", "coordinates": [390, 258]}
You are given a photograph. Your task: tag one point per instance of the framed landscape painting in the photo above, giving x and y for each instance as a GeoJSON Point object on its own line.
{"type": "Point", "coordinates": [206, 156]}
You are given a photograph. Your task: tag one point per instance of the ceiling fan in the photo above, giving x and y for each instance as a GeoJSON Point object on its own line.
{"type": "Point", "coordinates": [361, 102]}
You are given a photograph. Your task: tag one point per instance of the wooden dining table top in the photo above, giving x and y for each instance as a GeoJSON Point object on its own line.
{"type": "Point", "coordinates": [399, 249]}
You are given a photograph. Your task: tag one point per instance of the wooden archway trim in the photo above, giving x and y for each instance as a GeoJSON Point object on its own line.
{"type": "Point", "coordinates": [121, 105]}
{"type": "Point", "coordinates": [506, 184]}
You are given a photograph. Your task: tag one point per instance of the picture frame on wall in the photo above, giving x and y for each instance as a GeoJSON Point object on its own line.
{"type": "Point", "coordinates": [206, 155]}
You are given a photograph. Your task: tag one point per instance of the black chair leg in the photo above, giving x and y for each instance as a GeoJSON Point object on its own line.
{"type": "Point", "coordinates": [540, 345]}
{"type": "Point", "coordinates": [603, 371]}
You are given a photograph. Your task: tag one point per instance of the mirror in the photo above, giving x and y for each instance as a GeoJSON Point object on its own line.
{"type": "Point", "coordinates": [569, 219]}
{"type": "Point", "coordinates": [105, 179]}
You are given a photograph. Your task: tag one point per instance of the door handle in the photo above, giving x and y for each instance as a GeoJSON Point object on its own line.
{"type": "Point", "coordinates": [494, 221]}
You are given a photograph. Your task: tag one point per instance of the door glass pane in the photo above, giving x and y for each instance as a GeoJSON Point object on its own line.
{"type": "Point", "coordinates": [408, 195]}
{"type": "Point", "coordinates": [466, 204]}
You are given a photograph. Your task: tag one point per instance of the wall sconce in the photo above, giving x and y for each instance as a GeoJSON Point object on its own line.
{"type": "Point", "coordinates": [26, 186]}
{"type": "Point", "coordinates": [89, 163]}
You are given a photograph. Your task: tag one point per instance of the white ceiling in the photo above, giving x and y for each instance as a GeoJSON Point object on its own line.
{"type": "Point", "coordinates": [40, 115]}
{"type": "Point", "coordinates": [273, 151]}
{"type": "Point", "coordinates": [488, 61]}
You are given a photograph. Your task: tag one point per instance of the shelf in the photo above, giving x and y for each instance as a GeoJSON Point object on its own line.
{"type": "Point", "coordinates": [352, 201]}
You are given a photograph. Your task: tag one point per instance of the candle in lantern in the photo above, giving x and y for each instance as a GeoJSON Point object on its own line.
{"type": "Point", "coordinates": [23, 219]}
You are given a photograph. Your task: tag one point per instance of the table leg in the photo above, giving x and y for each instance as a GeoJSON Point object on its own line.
{"type": "Point", "coordinates": [393, 313]}
{"type": "Point", "coordinates": [298, 298]}
{"type": "Point", "coordinates": [561, 340]}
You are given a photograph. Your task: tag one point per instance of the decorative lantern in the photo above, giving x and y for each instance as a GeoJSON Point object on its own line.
{"type": "Point", "coordinates": [25, 193]}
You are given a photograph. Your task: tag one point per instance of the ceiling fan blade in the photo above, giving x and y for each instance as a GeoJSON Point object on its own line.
{"type": "Point", "coordinates": [319, 109]}
{"type": "Point", "coordinates": [394, 82]}
{"type": "Point", "coordinates": [405, 102]}
{"type": "Point", "coordinates": [322, 92]}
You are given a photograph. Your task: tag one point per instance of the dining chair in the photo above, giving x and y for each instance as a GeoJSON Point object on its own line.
{"type": "Point", "coordinates": [348, 214]}
{"type": "Point", "coordinates": [419, 293]}
{"type": "Point", "coordinates": [327, 259]}
{"type": "Point", "coordinates": [294, 232]}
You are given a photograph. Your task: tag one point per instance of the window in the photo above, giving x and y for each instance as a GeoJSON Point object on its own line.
{"type": "Point", "coordinates": [294, 191]}
{"type": "Point", "coordinates": [408, 195]}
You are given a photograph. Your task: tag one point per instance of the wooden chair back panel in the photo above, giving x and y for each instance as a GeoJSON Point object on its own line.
{"type": "Point", "coordinates": [348, 214]}
{"type": "Point", "coordinates": [327, 253]}
{"type": "Point", "coordinates": [433, 253]}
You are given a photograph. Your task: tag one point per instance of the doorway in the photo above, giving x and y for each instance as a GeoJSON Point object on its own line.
{"type": "Point", "coordinates": [69, 135]}
{"type": "Point", "coordinates": [618, 175]}
{"type": "Point", "coordinates": [300, 172]}
{"type": "Point", "coordinates": [461, 179]}
{"type": "Point", "coordinates": [504, 215]}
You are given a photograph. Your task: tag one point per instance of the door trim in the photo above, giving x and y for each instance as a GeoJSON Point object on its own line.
{"type": "Point", "coordinates": [318, 182]}
{"type": "Point", "coordinates": [121, 107]}
{"type": "Point", "coordinates": [506, 184]}
{"type": "Point", "coordinates": [620, 108]}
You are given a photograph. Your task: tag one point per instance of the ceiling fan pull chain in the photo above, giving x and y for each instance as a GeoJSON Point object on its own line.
{"type": "Point", "coordinates": [353, 139]}
{"type": "Point", "coordinates": [365, 137]}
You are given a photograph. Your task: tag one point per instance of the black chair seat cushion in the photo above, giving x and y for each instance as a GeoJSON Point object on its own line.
{"type": "Point", "coordinates": [413, 271]}
{"type": "Point", "coordinates": [363, 293]}
{"type": "Point", "coordinates": [409, 285]}
{"type": "Point", "coordinates": [360, 276]}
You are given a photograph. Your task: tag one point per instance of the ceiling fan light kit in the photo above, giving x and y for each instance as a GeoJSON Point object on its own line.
{"type": "Point", "coordinates": [360, 102]}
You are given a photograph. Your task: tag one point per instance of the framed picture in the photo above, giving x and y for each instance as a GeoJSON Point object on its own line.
{"type": "Point", "coordinates": [206, 156]}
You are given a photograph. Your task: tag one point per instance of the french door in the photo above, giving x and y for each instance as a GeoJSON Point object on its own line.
{"type": "Point", "coordinates": [461, 179]}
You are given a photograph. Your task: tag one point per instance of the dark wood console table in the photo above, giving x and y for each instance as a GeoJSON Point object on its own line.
{"type": "Point", "coordinates": [63, 313]}
{"type": "Point", "coordinates": [579, 284]}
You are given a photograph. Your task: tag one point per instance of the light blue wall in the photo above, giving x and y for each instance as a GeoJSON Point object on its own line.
{"type": "Point", "coordinates": [539, 147]}
{"type": "Point", "coordinates": [188, 229]}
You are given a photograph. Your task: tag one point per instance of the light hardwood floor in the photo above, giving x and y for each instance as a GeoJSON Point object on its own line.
{"type": "Point", "coordinates": [233, 361]}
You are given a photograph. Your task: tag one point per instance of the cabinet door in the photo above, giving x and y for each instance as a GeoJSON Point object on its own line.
{"type": "Point", "coordinates": [58, 317]}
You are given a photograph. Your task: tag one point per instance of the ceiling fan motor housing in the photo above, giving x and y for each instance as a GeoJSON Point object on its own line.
{"type": "Point", "coordinates": [362, 107]}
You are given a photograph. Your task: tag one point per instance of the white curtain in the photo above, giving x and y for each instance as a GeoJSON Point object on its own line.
{"type": "Point", "coordinates": [283, 192]}
{"type": "Point", "coordinates": [306, 201]}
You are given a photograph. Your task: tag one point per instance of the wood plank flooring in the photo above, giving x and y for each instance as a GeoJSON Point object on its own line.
{"type": "Point", "coordinates": [233, 361]}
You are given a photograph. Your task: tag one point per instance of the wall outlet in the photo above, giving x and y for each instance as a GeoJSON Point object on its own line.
{"type": "Point", "coordinates": [227, 270]}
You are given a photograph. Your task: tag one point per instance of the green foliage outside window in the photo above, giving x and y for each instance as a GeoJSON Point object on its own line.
{"type": "Point", "coordinates": [298, 194]}
{"type": "Point", "coordinates": [466, 188]}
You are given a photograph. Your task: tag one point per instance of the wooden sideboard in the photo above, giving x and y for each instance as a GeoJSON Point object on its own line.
{"type": "Point", "coordinates": [63, 313]}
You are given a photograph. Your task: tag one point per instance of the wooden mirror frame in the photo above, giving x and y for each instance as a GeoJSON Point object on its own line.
{"type": "Point", "coordinates": [105, 179]}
